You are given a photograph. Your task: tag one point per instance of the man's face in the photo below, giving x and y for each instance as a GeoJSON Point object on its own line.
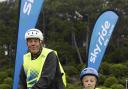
{"type": "Point", "coordinates": [34, 45]}
{"type": "Point", "coordinates": [89, 82]}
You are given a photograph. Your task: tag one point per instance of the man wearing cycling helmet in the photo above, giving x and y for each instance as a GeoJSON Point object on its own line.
{"type": "Point", "coordinates": [89, 78]}
{"type": "Point", "coordinates": [41, 67]}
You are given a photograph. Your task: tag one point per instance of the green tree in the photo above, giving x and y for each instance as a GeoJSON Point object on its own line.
{"type": "Point", "coordinates": [3, 75]}
{"type": "Point", "coordinates": [118, 70]}
{"type": "Point", "coordinates": [117, 86]}
{"type": "Point", "coordinates": [110, 81]}
{"type": "Point", "coordinates": [8, 81]}
{"type": "Point", "coordinates": [5, 86]}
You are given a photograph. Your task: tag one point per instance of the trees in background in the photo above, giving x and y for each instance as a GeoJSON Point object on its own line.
{"type": "Point", "coordinates": [67, 26]}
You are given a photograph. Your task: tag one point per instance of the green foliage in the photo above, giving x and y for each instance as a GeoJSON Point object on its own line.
{"type": "Point", "coordinates": [10, 72]}
{"type": "Point", "coordinates": [72, 74]}
{"type": "Point", "coordinates": [109, 81]}
{"type": "Point", "coordinates": [79, 66]}
{"type": "Point", "coordinates": [104, 69]}
{"type": "Point", "coordinates": [118, 70]}
{"type": "Point", "coordinates": [8, 81]}
{"type": "Point", "coordinates": [1, 52]}
{"type": "Point", "coordinates": [126, 63]}
{"type": "Point", "coordinates": [117, 86]}
{"type": "Point", "coordinates": [5, 86]}
{"type": "Point", "coordinates": [3, 75]}
{"type": "Point", "coordinates": [62, 48]}
{"type": "Point", "coordinates": [101, 79]}
{"type": "Point", "coordinates": [122, 80]}
{"type": "Point", "coordinates": [71, 70]}
{"type": "Point", "coordinates": [117, 56]}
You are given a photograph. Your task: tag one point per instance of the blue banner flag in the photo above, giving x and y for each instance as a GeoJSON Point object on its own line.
{"type": "Point", "coordinates": [100, 37]}
{"type": "Point", "coordinates": [29, 13]}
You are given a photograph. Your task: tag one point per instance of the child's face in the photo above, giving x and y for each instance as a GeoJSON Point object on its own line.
{"type": "Point", "coordinates": [89, 82]}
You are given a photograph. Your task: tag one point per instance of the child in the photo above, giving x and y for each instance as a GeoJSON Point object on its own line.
{"type": "Point", "coordinates": [89, 78]}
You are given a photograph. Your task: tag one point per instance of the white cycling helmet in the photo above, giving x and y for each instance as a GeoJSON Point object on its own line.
{"type": "Point", "coordinates": [34, 33]}
{"type": "Point", "coordinates": [89, 71]}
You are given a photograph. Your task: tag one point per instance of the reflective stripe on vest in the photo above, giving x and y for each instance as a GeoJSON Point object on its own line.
{"type": "Point", "coordinates": [33, 68]}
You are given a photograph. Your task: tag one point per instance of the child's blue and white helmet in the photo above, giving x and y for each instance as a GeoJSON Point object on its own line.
{"type": "Point", "coordinates": [89, 71]}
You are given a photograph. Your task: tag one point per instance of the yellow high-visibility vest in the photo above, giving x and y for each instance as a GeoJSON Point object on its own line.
{"type": "Point", "coordinates": [33, 68]}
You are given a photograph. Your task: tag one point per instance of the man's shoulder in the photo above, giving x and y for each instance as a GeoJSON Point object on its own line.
{"type": "Point", "coordinates": [46, 51]}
